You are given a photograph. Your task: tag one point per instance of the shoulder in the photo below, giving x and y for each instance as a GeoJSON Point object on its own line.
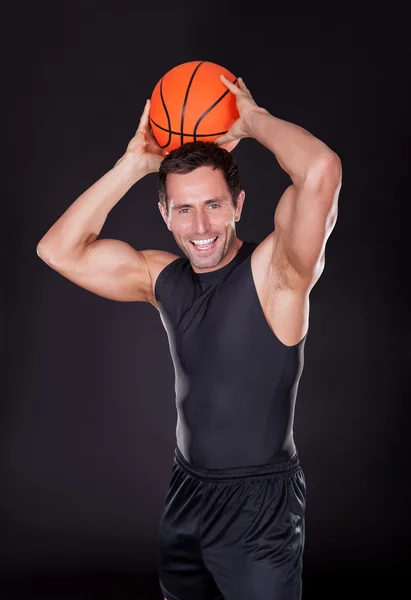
{"type": "Point", "coordinates": [157, 261]}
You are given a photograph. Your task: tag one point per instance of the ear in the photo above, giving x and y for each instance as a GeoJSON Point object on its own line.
{"type": "Point", "coordinates": [163, 214]}
{"type": "Point", "coordinates": [240, 203]}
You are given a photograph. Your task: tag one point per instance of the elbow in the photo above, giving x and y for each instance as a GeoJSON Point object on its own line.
{"type": "Point", "coordinates": [44, 253]}
{"type": "Point", "coordinates": [41, 252]}
{"type": "Point", "coordinates": [325, 172]}
{"type": "Point", "coordinates": [333, 166]}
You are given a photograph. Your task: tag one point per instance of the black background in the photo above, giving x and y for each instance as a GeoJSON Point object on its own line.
{"type": "Point", "coordinates": [87, 427]}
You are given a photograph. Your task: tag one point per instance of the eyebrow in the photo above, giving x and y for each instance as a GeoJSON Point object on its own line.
{"type": "Point", "coordinates": [185, 205]}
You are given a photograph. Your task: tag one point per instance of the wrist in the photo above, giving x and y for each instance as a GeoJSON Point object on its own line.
{"type": "Point", "coordinates": [130, 165]}
{"type": "Point", "coordinates": [251, 117]}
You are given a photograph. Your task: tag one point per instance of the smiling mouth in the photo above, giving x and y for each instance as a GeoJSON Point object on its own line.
{"type": "Point", "coordinates": [204, 245]}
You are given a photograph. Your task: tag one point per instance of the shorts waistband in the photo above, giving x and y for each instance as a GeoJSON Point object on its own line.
{"type": "Point", "coordinates": [283, 467]}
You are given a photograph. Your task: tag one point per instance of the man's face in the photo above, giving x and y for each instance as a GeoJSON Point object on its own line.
{"type": "Point", "coordinates": [201, 209]}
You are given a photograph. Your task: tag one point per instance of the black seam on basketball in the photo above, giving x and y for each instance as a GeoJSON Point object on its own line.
{"type": "Point", "coordinates": [210, 109]}
{"type": "Point", "coordinates": [186, 134]}
{"type": "Point", "coordinates": [166, 111]}
{"type": "Point", "coordinates": [186, 98]}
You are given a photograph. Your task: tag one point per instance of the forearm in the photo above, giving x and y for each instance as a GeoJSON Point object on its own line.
{"type": "Point", "coordinates": [82, 222]}
{"type": "Point", "coordinates": [297, 151]}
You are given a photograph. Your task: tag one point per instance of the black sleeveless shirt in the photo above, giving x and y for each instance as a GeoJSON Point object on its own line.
{"type": "Point", "coordinates": [235, 382]}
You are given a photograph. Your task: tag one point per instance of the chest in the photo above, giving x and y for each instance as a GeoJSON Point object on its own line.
{"type": "Point", "coordinates": [222, 325]}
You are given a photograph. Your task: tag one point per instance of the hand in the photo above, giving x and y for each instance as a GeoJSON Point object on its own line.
{"type": "Point", "coordinates": [143, 148]}
{"type": "Point", "coordinates": [245, 105]}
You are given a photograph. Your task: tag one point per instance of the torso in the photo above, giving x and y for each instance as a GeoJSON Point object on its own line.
{"type": "Point", "coordinates": [284, 299]}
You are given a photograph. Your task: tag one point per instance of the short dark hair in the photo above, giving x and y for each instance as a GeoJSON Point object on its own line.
{"type": "Point", "coordinates": [190, 156]}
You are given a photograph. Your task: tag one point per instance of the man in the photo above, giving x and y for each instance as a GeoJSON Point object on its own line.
{"type": "Point", "coordinates": [236, 314]}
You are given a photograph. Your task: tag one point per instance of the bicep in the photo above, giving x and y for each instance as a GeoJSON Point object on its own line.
{"type": "Point", "coordinates": [303, 221]}
{"type": "Point", "coordinates": [109, 268]}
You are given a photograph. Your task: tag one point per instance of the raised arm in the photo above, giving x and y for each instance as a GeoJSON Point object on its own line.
{"type": "Point", "coordinates": [109, 268]}
{"type": "Point", "coordinates": [307, 211]}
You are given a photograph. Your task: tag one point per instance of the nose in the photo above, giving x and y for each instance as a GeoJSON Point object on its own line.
{"type": "Point", "coordinates": [201, 222]}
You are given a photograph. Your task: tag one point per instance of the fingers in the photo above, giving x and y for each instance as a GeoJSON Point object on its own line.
{"type": "Point", "coordinates": [230, 145]}
{"type": "Point", "coordinates": [227, 142]}
{"type": "Point", "coordinates": [243, 86]}
{"type": "Point", "coordinates": [142, 126]}
{"type": "Point", "coordinates": [223, 139]}
{"type": "Point", "coordinates": [234, 88]}
{"type": "Point", "coordinates": [231, 86]}
{"type": "Point", "coordinates": [156, 149]}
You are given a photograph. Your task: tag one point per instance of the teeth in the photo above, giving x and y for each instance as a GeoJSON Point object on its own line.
{"type": "Point", "coordinates": [203, 242]}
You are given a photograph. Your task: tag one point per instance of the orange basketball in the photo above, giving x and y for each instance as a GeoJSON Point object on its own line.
{"type": "Point", "coordinates": [190, 103]}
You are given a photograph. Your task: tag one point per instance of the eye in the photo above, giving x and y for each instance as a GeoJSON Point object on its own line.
{"type": "Point", "coordinates": [183, 209]}
{"type": "Point", "coordinates": [214, 204]}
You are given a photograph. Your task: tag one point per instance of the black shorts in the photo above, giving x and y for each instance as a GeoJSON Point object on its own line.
{"type": "Point", "coordinates": [233, 534]}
